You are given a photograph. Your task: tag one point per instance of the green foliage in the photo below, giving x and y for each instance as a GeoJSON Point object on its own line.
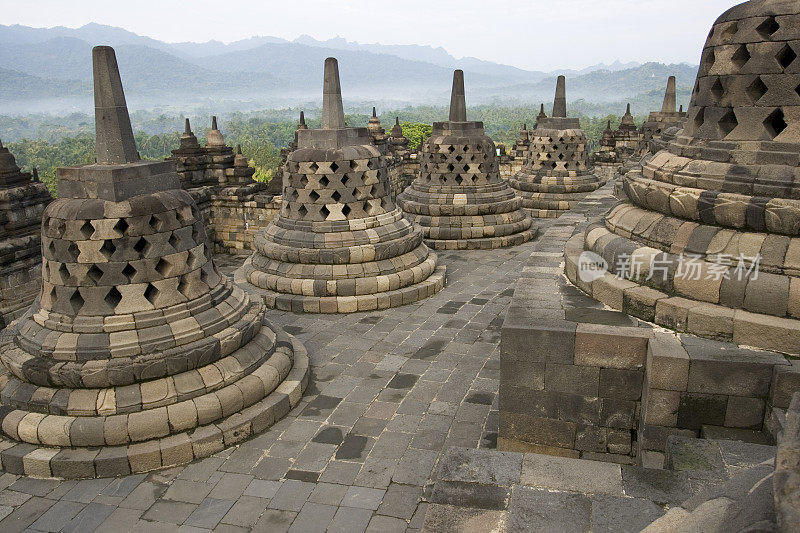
{"type": "Point", "coordinates": [46, 157]}
{"type": "Point", "coordinates": [416, 132]}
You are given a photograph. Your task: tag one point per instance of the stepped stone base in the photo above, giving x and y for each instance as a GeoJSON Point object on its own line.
{"type": "Point", "coordinates": [80, 462]}
{"type": "Point", "coordinates": [255, 282]}
{"type": "Point", "coordinates": [484, 243]}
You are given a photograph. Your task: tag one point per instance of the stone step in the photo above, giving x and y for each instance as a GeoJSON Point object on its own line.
{"type": "Point", "coordinates": [707, 459]}
{"type": "Point", "coordinates": [743, 435]}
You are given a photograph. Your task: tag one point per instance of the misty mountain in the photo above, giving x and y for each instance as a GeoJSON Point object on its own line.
{"type": "Point", "coordinates": [53, 63]}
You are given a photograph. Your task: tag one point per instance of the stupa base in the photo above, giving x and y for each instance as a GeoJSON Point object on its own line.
{"type": "Point", "coordinates": [246, 275]}
{"type": "Point", "coordinates": [86, 462]}
{"type": "Point", "coordinates": [483, 243]}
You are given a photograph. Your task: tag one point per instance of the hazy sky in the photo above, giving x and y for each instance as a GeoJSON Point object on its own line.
{"type": "Point", "coordinates": [530, 34]}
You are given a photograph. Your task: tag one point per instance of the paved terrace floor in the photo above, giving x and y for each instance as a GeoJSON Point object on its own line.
{"type": "Point", "coordinates": [389, 391]}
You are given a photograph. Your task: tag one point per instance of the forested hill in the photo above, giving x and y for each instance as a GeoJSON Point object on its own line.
{"type": "Point", "coordinates": [55, 63]}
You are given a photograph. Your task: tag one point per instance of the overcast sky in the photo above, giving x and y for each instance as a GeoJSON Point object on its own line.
{"type": "Point", "coordinates": [530, 34]}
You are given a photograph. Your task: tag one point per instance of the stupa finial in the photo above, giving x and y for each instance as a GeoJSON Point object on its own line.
{"type": "Point", "coordinates": [302, 118]}
{"type": "Point", "coordinates": [397, 121]}
{"type": "Point", "coordinates": [114, 142]}
{"type": "Point", "coordinates": [560, 101]}
{"type": "Point", "coordinates": [214, 122]}
{"type": "Point", "coordinates": [332, 108]}
{"type": "Point", "coordinates": [458, 103]}
{"type": "Point", "coordinates": [188, 127]}
{"type": "Point", "coordinates": [669, 97]}
{"type": "Point", "coordinates": [374, 114]}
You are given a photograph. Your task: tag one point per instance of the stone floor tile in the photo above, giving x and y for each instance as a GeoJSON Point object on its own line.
{"type": "Point", "coordinates": [313, 518]}
{"type": "Point", "coordinates": [362, 497]}
{"type": "Point", "coordinates": [187, 491]}
{"type": "Point", "coordinates": [89, 519]}
{"type": "Point", "coordinates": [274, 521]}
{"type": "Point", "coordinates": [328, 493]}
{"type": "Point", "coordinates": [400, 501]}
{"type": "Point", "coordinates": [230, 486]}
{"type": "Point", "coordinates": [291, 495]}
{"type": "Point", "coordinates": [350, 520]}
{"type": "Point", "coordinates": [169, 511]}
{"type": "Point", "coordinates": [209, 513]}
{"type": "Point", "coordinates": [57, 515]}
{"type": "Point", "coordinates": [577, 475]}
{"type": "Point", "coordinates": [541, 510]}
{"type": "Point", "coordinates": [120, 519]}
{"type": "Point", "coordinates": [386, 524]}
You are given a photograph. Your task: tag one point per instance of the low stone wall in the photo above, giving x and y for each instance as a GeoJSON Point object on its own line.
{"type": "Point", "coordinates": [20, 276]}
{"type": "Point", "coordinates": [581, 379]}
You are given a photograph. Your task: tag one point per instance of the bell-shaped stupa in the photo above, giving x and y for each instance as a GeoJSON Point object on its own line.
{"type": "Point", "coordinates": [556, 175]}
{"type": "Point", "coordinates": [339, 243]}
{"type": "Point", "coordinates": [138, 354]}
{"type": "Point", "coordinates": [459, 198]}
{"type": "Point", "coordinates": [709, 241]}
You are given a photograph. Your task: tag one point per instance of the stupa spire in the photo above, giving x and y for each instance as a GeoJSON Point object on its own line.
{"type": "Point", "coordinates": [560, 101]}
{"type": "Point", "coordinates": [114, 135]}
{"type": "Point", "coordinates": [669, 97]}
{"type": "Point", "coordinates": [332, 108]}
{"type": "Point", "coordinates": [188, 127]}
{"type": "Point", "coordinates": [458, 104]}
{"type": "Point", "coordinates": [374, 114]}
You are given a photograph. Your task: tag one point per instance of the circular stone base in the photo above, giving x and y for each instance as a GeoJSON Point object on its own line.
{"type": "Point", "coordinates": [545, 213]}
{"type": "Point", "coordinates": [487, 243]}
{"type": "Point", "coordinates": [173, 450]}
{"type": "Point", "coordinates": [342, 304]}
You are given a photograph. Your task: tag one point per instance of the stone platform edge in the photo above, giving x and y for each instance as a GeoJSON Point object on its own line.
{"type": "Point", "coordinates": [580, 379]}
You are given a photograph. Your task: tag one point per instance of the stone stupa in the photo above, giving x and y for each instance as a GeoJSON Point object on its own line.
{"type": "Point", "coordinates": [556, 175]}
{"type": "Point", "coordinates": [339, 243]}
{"type": "Point", "coordinates": [22, 201]}
{"type": "Point", "coordinates": [138, 354]}
{"type": "Point", "coordinates": [709, 241]}
{"type": "Point", "coordinates": [660, 121]}
{"type": "Point", "coordinates": [459, 198]}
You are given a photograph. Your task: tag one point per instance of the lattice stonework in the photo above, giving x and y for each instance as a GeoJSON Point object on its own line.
{"type": "Point", "coordinates": [339, 243]}
{"type": "Point", "coordinates": [725, 191]}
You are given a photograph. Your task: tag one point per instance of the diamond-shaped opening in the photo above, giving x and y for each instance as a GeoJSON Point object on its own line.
{"type": "Point", "coordinates": [163, 267]}
{"type": "Point", "coordinates": [51, 247]}
{"type": "Point", "coordinates": [87, 229]}
{"type": "Point", "coordinates": [740, 57]}
{"type": "Point", "coordinates": [786, 56]}
{"type": "Point", "coordinates": [727, 123]}
{"type": "Point", "coordinates": [94, 274]}
{"type": "Point", "coordinates": [730, 31]}
{"type": "Point", "coordinates": [53, 295]}
{"type": "Point", "coordinates": [797, 90]}
{"type": "Point", "coordinates": [179, 216]}
{"type": "Point", "coordinates": [174, 240]}
{"type": "Point", "coordinates": [775, 123]}
{"type": "Point", "coordinates": [141, 246]}
{"type": "Point", "coordinates": [325, 211]}
{"type": "Point", "coordinates": [204, 276]}
{"type": "Point", "coordinates": [156, 223]}
{"type": "Point", "coordinates": [313, 167]}
{"type": "Point", "coordinates": [345, 179]}
{"type": "Point", "coordinates": [63, 271]}
{"type": "Point", "coordinates": [129, 271]}
{"type": "Point", "coordinates": [768, 27]}
{"type": "Point", "coordinates": [108, 248]}
{"type": "Point", "coordinates": [459, 179]}
{"type": "Point", "coordinates": [73, 251]}
{"type": "Point", "coordinates": [334, 166]}
{"type": "Point", "coordinates": [717, 90]}
{"type": "Point", "coordinates": [151, 293]}
{"type": "Point", "coordinates": [197, 233]}
{"type": "Point", "coordinates": [113, 298]}
{"type": "Point", "coordinates": [336, 196]}
{"type": "Point", "coordinates": [76, 301]}
{"type": "Point", "coordinates": [302, 211]}
{"type": "Point", "coordinates": [346, 210]}
{"type": "Point", "coordinates": [756, 90]}
{"type": "Point", "coordinates": [324, 181]}
{"type": "Point", "coordinates": [183, 285]}
{"type": "Point", "coordinates": [699, 118]}
{"type": "Point", "coordinates": [314, 195]}
{"type": "Point", "coordinates": [122, 226]}
{"type": "Point", "coordinates": [451, 167]}
{"type": "Point", "coordinates": [451, 148]}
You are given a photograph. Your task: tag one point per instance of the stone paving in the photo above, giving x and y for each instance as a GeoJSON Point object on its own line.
{"type": "Point", "coordinates": [390, 390]}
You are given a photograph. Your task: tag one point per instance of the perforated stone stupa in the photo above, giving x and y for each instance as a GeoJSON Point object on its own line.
{"type": "Point", "coordinates": [139, 354]}
{"type": "Point", "coordinates": [708, 240]}
{"type": "Point", "coordinates": [658, 122]}
{"type": "Point", "coordinates": [339, 243]}
{"type": "Point", "coordinates": [556, 175]}
{"type": "Point", "coordinates": [22, 202]}
{"type": "Point", "coordinates": [459, 198]}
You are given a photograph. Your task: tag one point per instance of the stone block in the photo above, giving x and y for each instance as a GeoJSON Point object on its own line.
{"type": "Point", "coordinates": [621, 383]}
{"type": "Point", "coordinates": [575, 475]}
{"type": "Point", "coordinates": [611, 347]}
{"type": "Point", "coordinates": [574, 379]}
{"type": "Point", "coordinates": [667, 363]}
{"type": "Point", "coordinates": [744, 412]}
{"type": "Point", "coordinates": [553, 342]}
{"type": "Point", "coordinates": [785, 382]}
{"type": "Point", "coordinates": [661, 407]}
{"type": "Point", "coordinates": [536, 430]}
{"type": "Point", "coordinates": [696, 409]}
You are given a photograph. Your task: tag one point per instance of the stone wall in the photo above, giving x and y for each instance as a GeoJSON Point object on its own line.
{"type": "Point", "coordinates": [786, 480]}
{"type": "Point", "coordinates": [581, 379]}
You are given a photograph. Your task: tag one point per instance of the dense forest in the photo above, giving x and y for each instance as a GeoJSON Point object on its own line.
{"type": "Point", "coordinates": [47, 143]}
